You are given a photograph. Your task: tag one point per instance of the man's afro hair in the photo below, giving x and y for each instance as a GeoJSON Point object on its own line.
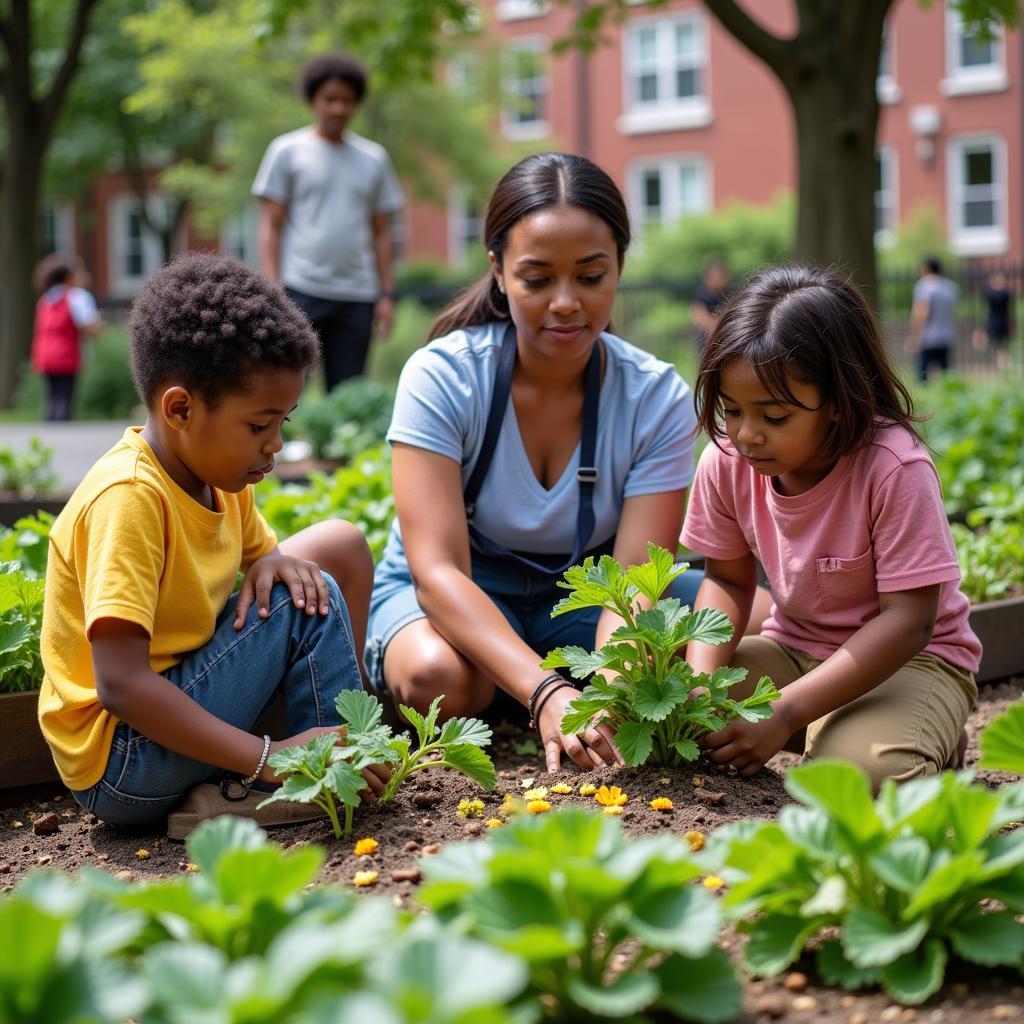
{"type": "Point", "coordinates": [207, 321]}
{"type": "Point", "coordinates": [330, 66]}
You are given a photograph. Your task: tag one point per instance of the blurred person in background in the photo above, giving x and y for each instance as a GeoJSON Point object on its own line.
{"type": "Point", "coordinates": [65, 313]}
{"type": "Point", "coordinates": [708, 299]}
{"type": "Point", "coordinates": [932, 319]}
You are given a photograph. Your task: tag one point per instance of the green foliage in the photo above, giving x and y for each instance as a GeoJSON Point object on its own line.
{"type": "Point", "coordinates": [341, 425]}
{"type": "Point", "coordinates": [21, 617]}
{"type": "Point", "coordinates": [412, 322]}
{"type": "Point", "coordinates": [908, 877]}
{"type": "Point", "coordinates": [991, 546]}
{"type": "Point", "coordinates": [27, 542]}
{"type": "Point", "coordinates": [1002, 742]}
{"type": "Point", "coordinates": [323, 772]}
{"type": "Point", "coordinates": [246, 939]}
{"type": "Point", "coordinates": [920, 234]}
{"type": "Point", "coordinates": [27, 473]}
{"type": "Point", "coordinates": [359, 492]}
{"type": "Point", "coordinates": [648, 700]}
{"type": "Point", "coordinates": [609, 929]}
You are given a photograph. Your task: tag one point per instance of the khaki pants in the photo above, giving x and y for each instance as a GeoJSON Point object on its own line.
{"type": "Point", "coordinates": [908, 725]}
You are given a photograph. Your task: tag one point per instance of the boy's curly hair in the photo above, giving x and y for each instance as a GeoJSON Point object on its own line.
{"type": "Point", "coordinates": [328, 66]}
{"type": "Point", "coordinates": [207, 321]}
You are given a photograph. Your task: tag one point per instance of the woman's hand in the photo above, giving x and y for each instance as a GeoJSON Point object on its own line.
{"type": "Point", "coordinates": [302, 578]}
{"type": "Point", "coordinates": [591, 749]}
{"type": "Point", "coordinates": [747, 746]}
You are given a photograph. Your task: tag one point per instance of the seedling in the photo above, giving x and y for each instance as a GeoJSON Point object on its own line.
{"type": "Point", "coordinates": [326, 774]}
{"type": "Point", "coordinates": [637, 681]}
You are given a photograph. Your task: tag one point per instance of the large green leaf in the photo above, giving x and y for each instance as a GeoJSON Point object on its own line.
{"type": "Point", "coordinates": [835, 969]}
{"type": "Point", "coordinates": [830, 898]}
{"type": "Point", "coordinates": [246, 876]}
{"type": "Point", "coordinates": [684, 920]}
{"type": "Point", "coordinates": [212, 839]}
{"type": "Point", "coordinates": [776, 941]}
{"type": "Point", "coordinates": [635, 742]}
{"type": "Point", "coordinates": [946, 881]}
{"type": "Point", "coordinates": [361, 710]}
{"type": "Point", "coordinates": [627, 995]}
{"type": "Point", "coordinates": [465, 730]}
{"type": "Point", "coordinates": [870, 940]}
{"type": "Point", "coordinates": [758, 705]}
{"type": "Point", "coordinates": [581, 710]}
{"type": "Point", "coordinates": [1002, 743]}
{"type": "Point", "coordinates": [903, 864]}
{"type": "Point", "coordinates": [709, 626]}
{"type": "Point", "coordinates": [345, 781]}
{"type": "Point", "coordinates": [842, 790]}
{"type": "Point", "coordinates": [916, 975]}
{"type": "Point", "coordinates": [655, 576]}
{"type": "Point", "coordinates": [705, 990]}
{"type": "Point", "coordinates": [472, 761]}
{"type": "Point", "coordinates": [656, 700]}
{"type": "Point", "coordinates": [990, 939]}
{"type": "Point", "coordinates": [811, 829]}
{"type": "Point", "coordinates": [580, 662]}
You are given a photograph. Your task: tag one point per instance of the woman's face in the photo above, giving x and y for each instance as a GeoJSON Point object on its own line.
{"type": "Point", "coordinates": [560, 272]}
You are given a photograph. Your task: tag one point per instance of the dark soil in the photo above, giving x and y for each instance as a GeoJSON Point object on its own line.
{"type": "Point", "coordinates": [424, 817]}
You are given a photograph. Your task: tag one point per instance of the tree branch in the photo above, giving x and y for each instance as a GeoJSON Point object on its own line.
{"type": "Point", "coordinates": [775, 51]}
{"type": "Point", "coordinates": [51, 102]}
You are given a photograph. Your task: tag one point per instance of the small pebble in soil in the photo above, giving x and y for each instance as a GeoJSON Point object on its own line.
{"type": "Point", "coordinates": [432, 848]}
{"type": "Point", "coordinates": [473, 828]}
{"type": "Point", "coordinates": [427, 799]}
{"type": "Point", "coordinates": [708, 796]}
{"type": "Point", "coordinates": [805, 1003]}
{"type": "Point", "coordinates": [412, 845]}
{"type": "Point", "coordinates": [126, 876]}
{"type": "Point", "coordinates": [908, 1015]}
{"type": "Point", "coordinates": [859, 1018]}
{"type": "Point", "coordinates": [45, 859]}
{"type": "Point", "coordinates": [406, 875]}
{"type": "Point", "coordinates": [848, 1001]}
{"type": "Point", "coordinates": [426, 822]}
{"type": "Point", "coordinates": [5, 869]}
{"type": "Point", "coordinates": [46, 825]}
{"type": "Point", "coordinates": [771, 1005]}
{"type": "Point", "coordinates": [795, 981]}
{"type": "Point", "coordinates": [1005, 1011]}
{"type": "Point", "coordinates": [891, 1013]}
{"type": "Point", "coordinates": [91, 819]}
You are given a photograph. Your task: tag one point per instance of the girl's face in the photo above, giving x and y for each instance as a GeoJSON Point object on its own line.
{"type": "Point", "coordinates": [777, 438]}
{"type": "Point", "coordinates": [560, 272]}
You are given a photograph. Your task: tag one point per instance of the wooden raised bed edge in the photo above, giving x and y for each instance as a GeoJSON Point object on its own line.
{"type": "Point", "coordinates": [25, 759]}
{"type": "Point", "coordinates": [1000, 628]}
{"type": "Point", "coordinates": [13, 509]}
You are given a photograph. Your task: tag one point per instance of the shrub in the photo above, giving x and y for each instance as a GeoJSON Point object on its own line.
{"type": "Point", "coordinates": [21, 617]}
{"type": "Point", "coordinates": [353, 417]}
{"type": "Point", "coordinates": [27, 473]}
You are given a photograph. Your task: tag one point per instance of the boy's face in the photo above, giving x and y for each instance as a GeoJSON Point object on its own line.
{"type": "Point", "coordinates": [333, 105]}
{"type": "Point", "coordinates": [233, 444]}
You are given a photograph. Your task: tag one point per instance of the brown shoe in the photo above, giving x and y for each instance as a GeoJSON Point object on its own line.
{"type": "Point", "coordinates": [206, 801]}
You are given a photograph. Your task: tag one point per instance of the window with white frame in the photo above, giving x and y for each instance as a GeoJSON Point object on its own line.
{"type": "Point", "coordinates": [57, 227]}
{"type": "Point", "coordinates": [517, 10]}
{"type": "Point", "coordinates": [665, 74]}
{"type": "Point", "coordinates": [977, 196]}
{"type": "Point", "coordinates": [662, 191]}
{"type": "Point", "coordinates": [885, 83]}
{"type": "Point", "coordinates": [974, 63]}
{"type": "Point", "coordinates": [240, 234]}
{"type": "Point", "coordinates": [463, 72]}
{"type": "Point", "coordinates": [465, 224]}
{"type": "Point", "coordinates": [886, 195]}
{"type": "Point", "coordinates": [134, 251]}
{"type": "Point", "coordinates": [524, 111]}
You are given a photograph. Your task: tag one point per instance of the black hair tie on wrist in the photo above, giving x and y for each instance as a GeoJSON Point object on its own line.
{"type": "Point", "coordinates": [555, 677]}
{"type": "Point", "coordinates": [535, 719]}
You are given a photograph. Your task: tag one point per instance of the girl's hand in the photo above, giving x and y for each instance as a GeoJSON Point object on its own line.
{"type": "Point", "coordinates": [599, 749]}
{"type": "Point", "coordinates": [746, 745]}
{"type": "Point", "coordinates": [302, 578]}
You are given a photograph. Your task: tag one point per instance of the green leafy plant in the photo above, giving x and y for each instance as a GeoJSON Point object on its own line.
{"type": "Point", "coordinates": [925, 870]}
{"type": "Point", "coordinates": [344, 423]}
{"type": "Point", "coordinates": [990, 547]}
{"type": "Point", "coordinates": [1002, 742]}
{"type": "Point", "coordinates": [648, 699]}
{"type": "Point", "coordinates": [29, 472]}
{"type": "Point", "coordinates": [27, 542]}
{"type": "Point", "coordinates": [610, 928]}
{"type": "Point", "coordinates": [359, 492]}
{"type": "Point", "coordinates": [324, 773]}
{"type": "Point", "coordinates": [21, 616]}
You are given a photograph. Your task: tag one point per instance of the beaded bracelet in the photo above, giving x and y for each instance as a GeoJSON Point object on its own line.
{"type": "Point", "coordinates": [259, 768]}
{"type": "Point", "coordinates": [544, 699]}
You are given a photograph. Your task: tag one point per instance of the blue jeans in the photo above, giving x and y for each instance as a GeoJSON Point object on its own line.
{"type": "Point", "coordinates": [235, 676]}
{"type": "Point", "coordinates": [525, 597]}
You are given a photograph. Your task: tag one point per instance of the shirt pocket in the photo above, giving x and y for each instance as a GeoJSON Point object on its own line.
{"type": "Point", "coordinates": [845, 583]}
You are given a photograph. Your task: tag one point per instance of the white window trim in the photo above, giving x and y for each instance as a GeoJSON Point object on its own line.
{"type": "Point", "coordinates": [988, 241]}
{"type": "Point", "coordinates": [518, 130]}
{"type": "Point", "coordinates": [887, 236]}
{"type": "Point", "coordinates": [63, 212]}
{"type": "Point", "coordinates": [668, 167]}
{"type": "Point", "coordinates": [886, 86]}
{"type": "Point", "coordinates": [520, 10]}
{"type": "Point", "coordinates": [457, 248]}
{"type": "Point", "coordinates": [665, 115]}
{"type": "Point", "coordinates": [961, 81]}
{"type": "Point", "coordinates": [122, 285]}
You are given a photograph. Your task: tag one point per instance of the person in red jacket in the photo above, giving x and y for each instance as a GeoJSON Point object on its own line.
{"type": "Point", "coordinates": [65, 312]}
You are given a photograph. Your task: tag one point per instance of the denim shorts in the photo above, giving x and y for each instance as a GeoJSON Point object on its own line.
{"type": "Point", "coordinates": [524, 596]}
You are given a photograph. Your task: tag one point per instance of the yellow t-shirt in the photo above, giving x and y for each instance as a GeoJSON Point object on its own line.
{"type": "Point", "coordinates": [131, 544]}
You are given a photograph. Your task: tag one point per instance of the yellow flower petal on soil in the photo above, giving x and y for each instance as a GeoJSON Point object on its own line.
{"type": "Point", "coordinates": [561, 789]}
{"type": "Point", "coordinates": [364, 878]}
{"type": "Point", "coordinates": [510, 808]}
{"type": "Point", "coordinates": [695, 840]}
{"type": "Point", "coordinates": [494, 823]}
{"type": "Point", "coordinates": [588, 790]}
{"type": "Point", "coordinates": [536, 794]}
{"type": "Point", "coordinates": [610, 796]}
{"type": "Point", "coordinates": [365, 846]}
{"type": "Point", "coordinates": [191, 868]}
{"type": "Point", "coordinates": [613, 810]}
{"type": "Point", "coordinates": [713, 882]}
{"type": "Point", "coordinates": [471, 808]}
{"type": "Point", "coordinates": [661, 803]}
{"type": "Point", "coordinates": [538, 807]}
{"type": "Point", "coordinates": [17, 824]}
{"type": "Point", "coordinates": [142, 854]}
{"type": "Point", "coordinates": [664, 782]}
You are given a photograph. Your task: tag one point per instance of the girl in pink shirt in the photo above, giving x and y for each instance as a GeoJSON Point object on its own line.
{"type": "Point", "coordinates": [817, 473]}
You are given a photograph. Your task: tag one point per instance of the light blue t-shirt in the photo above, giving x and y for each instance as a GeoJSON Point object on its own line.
{"type": "Point", "coordinates": [645, 440]}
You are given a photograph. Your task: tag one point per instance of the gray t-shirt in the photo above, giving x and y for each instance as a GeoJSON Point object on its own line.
{"type": "Point", "coordinates": [332, 191]}
{"type": "Point", "coordinates": [645, 440]}
{"type": "Point", "coordinates": [939, 292]}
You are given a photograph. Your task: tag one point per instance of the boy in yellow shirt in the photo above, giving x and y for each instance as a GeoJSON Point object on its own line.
{"type": "Point", "coordinates": [154, 672]}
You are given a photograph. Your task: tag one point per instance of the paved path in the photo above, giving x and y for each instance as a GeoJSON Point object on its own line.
{"type": "Point", "coordinates": [76, 445]}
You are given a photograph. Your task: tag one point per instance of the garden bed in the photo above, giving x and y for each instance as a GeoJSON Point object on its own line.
{"type": "Point", "coordinates": [427, 813]}
{"type": "Point", "coordinates": [999, 626]}
{"type": "Point", "coordinates": [25, 759]}
{"type": "Point", "coordinates": [13, 508]}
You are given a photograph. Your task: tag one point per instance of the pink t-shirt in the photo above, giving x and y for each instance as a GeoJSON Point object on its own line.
{"type": "Point", "coordinates": [874, 525]}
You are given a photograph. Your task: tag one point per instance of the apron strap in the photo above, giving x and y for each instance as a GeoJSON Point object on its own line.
{"type": "Point", "coordinates": [586, 474]}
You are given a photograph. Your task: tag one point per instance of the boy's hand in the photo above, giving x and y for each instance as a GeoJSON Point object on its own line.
{"type": "Point", "coordinates": [746, 745]}
{"type": "Point", "coordinates": [302, 578]}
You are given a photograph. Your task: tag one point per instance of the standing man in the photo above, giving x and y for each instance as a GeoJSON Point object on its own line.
{"type": "Point", "coordinates": [328, 196]}
{"type": "Point", "coordinates": [933, 319]}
